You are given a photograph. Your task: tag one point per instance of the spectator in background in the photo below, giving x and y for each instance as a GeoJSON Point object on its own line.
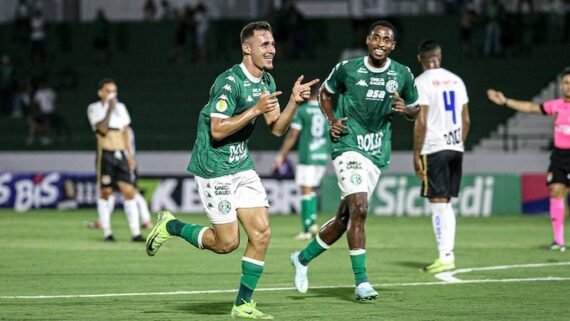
{"type": "Point", "coordinates": [466, 26]}
{"type": "Point", "coordinates": [23, 97]}
{"type": "Point", "coordinates": [102, 33]}
{"type": "Point", "coordinates": [22, 21]}
{"type": "Point", "coordinates": [37, 37]}
{"type": "Point", "coordinates": [42, 114]}
{"type": "Point", "coordinates": [494, 12]}
{"type": "Point", "coordinates": [202, 23]}
{"type": "Point", "coordinates": [556, 20]}
{"type": "Point", "coordinates": [149, 10]}
{"type": "Point", "coordinates": [7, 85]}
{"type": "Point", "coordinates": [168, 12]}
{"type": "Point", "coordinates": [183, 29]}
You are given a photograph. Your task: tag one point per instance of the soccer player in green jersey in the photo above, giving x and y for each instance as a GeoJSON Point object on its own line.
{"type": "Point", "coordinates": [310, 128]}
{"type": "Point", "coordinates": [229, 187]}
{"type": "Point", "coordinates": [371, 90]}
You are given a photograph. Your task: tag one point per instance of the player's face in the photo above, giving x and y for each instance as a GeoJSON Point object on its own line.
{"type": "Point", "coordinates": [565, 86]}
{"type": "Point", "coordinates": [108, 91]}
{"type": "Point", "coordinates": [262, 46]}
{"type": "Point", "coordinates": [381, 41]}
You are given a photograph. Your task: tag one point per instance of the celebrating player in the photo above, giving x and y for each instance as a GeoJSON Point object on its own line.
{"type": "Point", "coordinates": [228, 185]}
{"type": "Point", "coordinates": [439, 135]}
{"type": "Point", "coordinates": [371, 90]}
{"type": "Point", "coordinates": [558, 177]}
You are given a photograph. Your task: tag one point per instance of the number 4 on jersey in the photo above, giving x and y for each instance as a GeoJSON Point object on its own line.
{"type": "Point", "coordinates": [449, 103]}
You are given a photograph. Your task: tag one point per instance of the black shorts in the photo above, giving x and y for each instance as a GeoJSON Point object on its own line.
{"type": "Point", "coordinates": [559, 168]}
{"type": "Point", "coordinates": [113, 167]}
{"type": "Point", "coordinates": [443, 171]}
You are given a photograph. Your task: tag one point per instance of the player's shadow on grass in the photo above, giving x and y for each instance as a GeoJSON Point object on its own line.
{"type": "Point", "coordinates": [208, 308]}
{"type": "Point", "coordinates": [410, 264]}
{"type": "Point", "coordinates": [344, 294]}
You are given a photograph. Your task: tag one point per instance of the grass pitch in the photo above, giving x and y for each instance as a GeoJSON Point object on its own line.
{"type": "Point", "coordinates": [53, 268]}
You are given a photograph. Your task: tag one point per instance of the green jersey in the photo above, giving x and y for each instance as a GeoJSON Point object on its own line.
{"type": "Point", "coordinates": [233, 92]}
{"type": "Point", "coordinates": [364, 98]}
{"type": "Point", "coordinates": [313, 145]}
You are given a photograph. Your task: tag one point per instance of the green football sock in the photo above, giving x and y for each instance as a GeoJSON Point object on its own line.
{"type": "Point", "coordinates": [358, 260]}
{"type": "Point", "coordinates": [308, 211]}
{"type": "Point", "coordinates": [251, 271]}
{"type": "Point", "coordinates": [312, 250]}
{"type": "Point", "coordinates": [189, 232]}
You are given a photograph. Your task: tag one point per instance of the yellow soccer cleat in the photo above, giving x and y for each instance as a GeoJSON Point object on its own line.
{"type": "Point", "coordinates": [437, 267]}
{"type": "Point", "coordinates": [159, 234]}
{"type": "Point", "coordinates": [249, 311]}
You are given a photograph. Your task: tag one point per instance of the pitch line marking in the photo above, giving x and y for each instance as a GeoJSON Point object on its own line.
{"type": "Point", "coordinates": [450, 278]}
{"type": "Point", "coordinates": [381, 285]}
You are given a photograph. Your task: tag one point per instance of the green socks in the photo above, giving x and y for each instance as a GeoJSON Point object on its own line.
{"type": "Point", "coordinates": [251, 271]}
{"type": "Point", "coordinates": [190, 232]}
{"type": "Point", "coordinates": [358, 260]}
{"type": "Point", "coordinates": [313, 249]}
{"type": "Point", "coordinates": [308, 211]}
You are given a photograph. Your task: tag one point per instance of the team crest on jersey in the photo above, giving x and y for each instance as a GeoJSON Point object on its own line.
{"type": "Point", "coordinates": [356, 179]}
{"type": "Point", "coordinates": [362, 83]}
{"type": "Point", "coordinates": [224, 207]}
{"type": "Point", "coordinates": [392, 86]}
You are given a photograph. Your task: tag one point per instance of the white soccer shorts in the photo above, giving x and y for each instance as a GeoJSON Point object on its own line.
{"type": "Point", "coordinates": [355, 174]}
{"type": "Point", "coordinates": [309, 175]}
{"type": "Point", "coordinates": [222, 196]}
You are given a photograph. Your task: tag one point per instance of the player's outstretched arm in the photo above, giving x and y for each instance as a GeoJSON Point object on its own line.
{"type": "Point", "coordinates": [278, 122]}
{"type": "Point", "coordinates": [224, 127]}
{"type": "Point", "coordinates": [519, 105]}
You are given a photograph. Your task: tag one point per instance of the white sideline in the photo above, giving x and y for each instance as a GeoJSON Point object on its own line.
{"type": "Point", "coordinates": [449, 276]}
{"type": "Point", "coordinates": [446, 277]}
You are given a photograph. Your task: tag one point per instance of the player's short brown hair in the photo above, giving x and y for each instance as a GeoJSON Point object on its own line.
{"type": "Point", "coordinates": [250, 28]}
{"type": "Point", "coordinates": [105, 81]}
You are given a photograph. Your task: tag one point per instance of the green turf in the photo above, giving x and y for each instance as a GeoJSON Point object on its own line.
{"type": "Point", "coordinates": [52, 253]}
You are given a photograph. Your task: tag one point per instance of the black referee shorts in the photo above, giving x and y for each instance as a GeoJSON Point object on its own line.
{"type": "Point", "coordinates": [559, 168]}
{"type": "Point", "coordinates": [443, 171]}
{"type": "Point", "coordinates": [113, 167]}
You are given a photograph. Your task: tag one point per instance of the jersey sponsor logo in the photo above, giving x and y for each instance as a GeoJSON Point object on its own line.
{"type": "Point", "coordinates": [362, 83]}
{"type": "Point", "coordinates": [392, 86]}
{"type": "Point", "coordinates": [453, 137]}
{"type": "Point", "coordinates": [370, 142]}
{"type": "Point", "coordinates": [391, 73]}
{"type": "Point", "coordinates": [362, 70]}
{"type": "Point", "coordinates": [221, 190]}
{"type": "Point", "coordinates": [246, 83]}
{"type": "Point", "coordinates": [374, 81]}
{"type": "Point", "coordinates": [256, 92]}
{"type": "Point", "coordinates": [221, 105]}
{"type": "Point", "coordinates": [353, 165]}
{"type": "Point", "coordinates": [372, 94]}
{"type": "Point", "coordinates": [224, 206]}
{"type": "Point", "coordinates": [237, 152]}
{"type": "Point", "coordinates": [249, 99]}
{"type": "Point", "coordinates": [231, 78]}
{"type": "Point", "coordinates": [227, 87]}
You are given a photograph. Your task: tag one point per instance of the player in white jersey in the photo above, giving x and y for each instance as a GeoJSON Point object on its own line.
{"type": "Point", "coordinates": [439, 135]}
{"type": "Point", "coordinates": [115, 163]}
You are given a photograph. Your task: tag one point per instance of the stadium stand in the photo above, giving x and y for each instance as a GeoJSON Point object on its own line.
{"type": "Point", "coordinates": [164, 97]}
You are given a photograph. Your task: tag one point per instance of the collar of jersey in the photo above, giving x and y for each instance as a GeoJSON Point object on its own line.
{"type": "Point", "coordinates": [248, 75]}
{"type": "Point", "coordinates": [374, 69]}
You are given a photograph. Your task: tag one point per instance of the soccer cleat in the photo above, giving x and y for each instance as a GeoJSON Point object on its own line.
{"type": "Point", "coordinates": [365, 292]}
{"type": "Point", "coordinates": [302, 236]}
{"type": "Point", "coordinates": [437, 267]}
{"type": "Point", "coordinates": [138, 238]}
{"type": "Point", "coordinates": [159, 234]}
{"type": "Point", "coordinates": [301, 281]}
{"type": "Point", "coordinates": [93, 224]}
{"type": "Point", "coordinates": [249, 311]}
{"type": "Point", "coordinates": [557, 247]}
{"type": "Point", "coordinates": [109, 238]}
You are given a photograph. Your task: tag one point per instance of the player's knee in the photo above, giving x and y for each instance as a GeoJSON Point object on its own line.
{"type": "Point", "coordinates": [358, 210]}
{"type": "Point", "coordinates": [227, 246]}
{"type": "Point", "coordinates": [261, 238]}
{"type": "Point", "coordinates": [104, 193]}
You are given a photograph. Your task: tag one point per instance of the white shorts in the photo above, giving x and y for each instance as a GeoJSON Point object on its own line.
{"type": "Point", "coordinates": [309, 175]}
{"type": "Point", "coordinates": [355, 174]}
{"type": "Point", "coordinates": [222, 196]}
